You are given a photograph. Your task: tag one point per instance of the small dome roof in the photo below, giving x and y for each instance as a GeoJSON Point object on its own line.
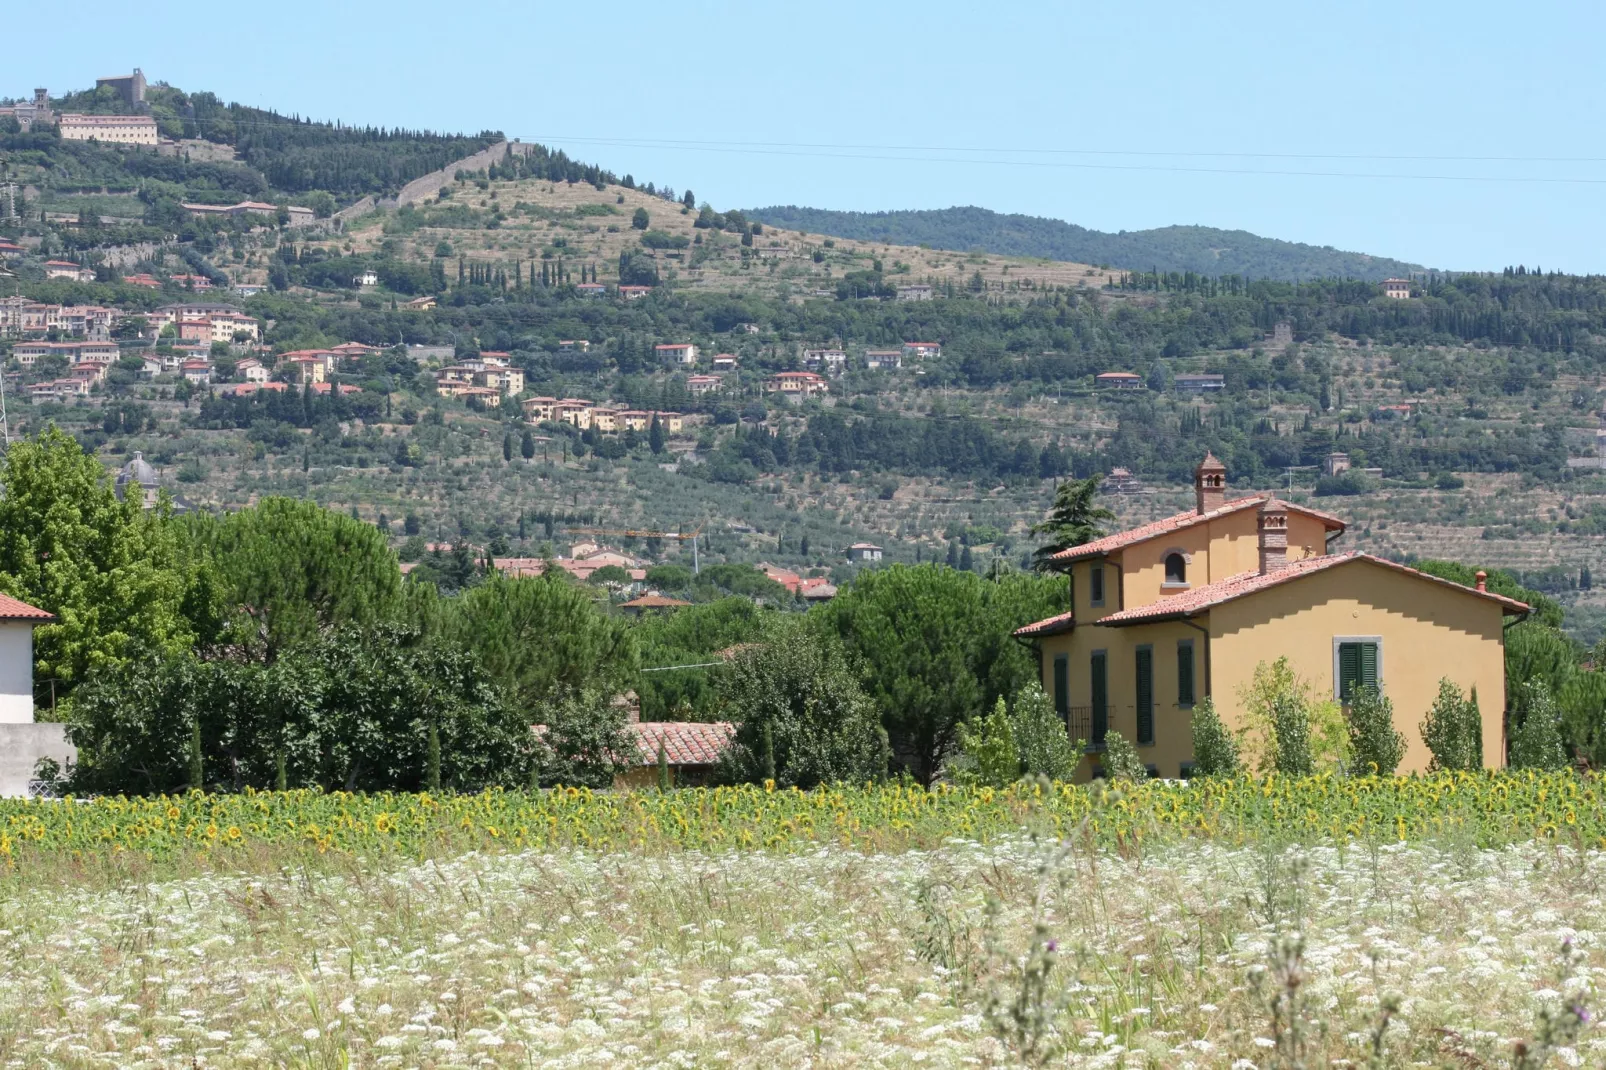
{"type": "Point", "coordinates": [138, 470]}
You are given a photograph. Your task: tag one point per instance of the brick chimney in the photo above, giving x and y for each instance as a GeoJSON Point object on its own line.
{"type": "Point", "coordinates": [1273, 536]}
{"type": "Point", "coordinates": [1210, 484]}
{"type": "Point", "coordinates": [1483, 580]}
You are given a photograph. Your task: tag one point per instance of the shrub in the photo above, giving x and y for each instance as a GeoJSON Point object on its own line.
{"type": "Point", "coordinates": [1291, 722]}
{"type": "Point", "coordinates": [987, 751]}
{"type": "Point", "coordinates": [1121, 759]}
{"type": "Point", "coordinates": [1040, 737]}
{"type": "Point", "coordinates": [1277, 700]}
{"type": "Point", "coordinates": [1215, 752]}
{"type": "Point", "coordinates": [1453, 730]}
{"type": "Point", "coordinates": [1376, 746]}
{"type": "Point", "coordinates": [1536, 742]}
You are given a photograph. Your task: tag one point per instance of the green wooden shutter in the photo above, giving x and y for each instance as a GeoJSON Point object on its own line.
{"type": "Point", "coordinates": [1185, 674]}
{"type": "Point", "coordinates": [1357, 666]}
{"type": "Point", "coordinates": [1100, 688]}
{"type": "Point", "coordinates": [1145, 662]}
{"type": "Point", "coordinates": [1062, 685]}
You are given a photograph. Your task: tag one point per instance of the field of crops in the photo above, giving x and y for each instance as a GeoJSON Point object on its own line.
{"type": "Point", "coordinates": [1485, 809]}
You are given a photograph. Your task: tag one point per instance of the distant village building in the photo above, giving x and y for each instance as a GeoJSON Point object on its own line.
{"type": "Point", "coordinates": [697, 385]}
{"type": "Point", "coordinates": [864, 552]}
{"type": "Point", "coordinates": [921, 350]}
{"type": "Point", "coordinates": [725, 362]}
{"type": "Point", "coordinates": [66, 269]}
{"type": "Point", "coordinates": [1121, 481]}
{"type": "Point", "coordinates": [1192, 383]}
{"type": "Point", "coordinates": [914, 293]}
{"type": "Point", "coordinates": [796, 384]}
{"type": "Point", "coordinates": [28, 112]}
{"type": "Point", "coordinates": [1335, 464]}
{"type": "Point", "coordinates": [1118, 381]}
{"type": "Point", "coordinates": [1282, 334]}
{"type": "Point", "coordinates": [883, 359]}
{"type": "Point", "coordinates": [830, 360]}
{"type": "Point", "coordinates": [131, 87]}
{"type": "Point", "coordinates": [109, 129]}
{"type": "Point", "coordinates": [1399, 289]}
{"type": "Point", "coordinates": [683, 354]}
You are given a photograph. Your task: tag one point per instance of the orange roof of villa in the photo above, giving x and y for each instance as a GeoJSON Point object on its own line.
{"type": "Point", "coordinates": [1202, 598]}
{"type": "Point", "coordinates": [1144, 532]}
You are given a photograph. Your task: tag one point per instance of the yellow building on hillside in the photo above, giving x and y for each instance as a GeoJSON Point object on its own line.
{"type": "Point", "coordinates": [1169, 612]}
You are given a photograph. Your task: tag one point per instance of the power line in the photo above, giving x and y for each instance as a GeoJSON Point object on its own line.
{"type": "Point", "coordinates": [898, 154]}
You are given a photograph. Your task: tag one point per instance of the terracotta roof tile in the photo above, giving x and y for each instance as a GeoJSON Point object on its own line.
{"type": "Point", "coordinates": [653, 601]}
{"type": "Point", "coordinates": [1051, 626]}
{"type": "Point", "coordinates": [1144, 532]}
{"type": "Point", "coordinates": [685, 742]}
{"type": "Point", "coordinates": [13, 609]}
{"type": "Point", "coordinates": [1202, 598]}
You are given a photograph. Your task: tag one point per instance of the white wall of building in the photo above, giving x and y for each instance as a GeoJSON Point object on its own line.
{"type": "Point", "coordinates": [16, 672]}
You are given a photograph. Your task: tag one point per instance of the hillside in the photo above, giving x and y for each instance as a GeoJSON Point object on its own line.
{"type": "Point", "coordinates": [496, 221]}
{"type": "Point", "coordinates": [1205, 250]}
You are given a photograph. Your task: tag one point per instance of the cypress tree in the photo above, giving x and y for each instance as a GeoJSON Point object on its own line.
{"type": "Point", "coordinates": [197, 763]}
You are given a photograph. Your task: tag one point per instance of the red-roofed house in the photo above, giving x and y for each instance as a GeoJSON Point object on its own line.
{"type": "Point", "coordinates": [681, 353]}
{"type": "Point", "coordinates": [1168, 613]}
{"type": "Point", "coordinates": [796, 384]}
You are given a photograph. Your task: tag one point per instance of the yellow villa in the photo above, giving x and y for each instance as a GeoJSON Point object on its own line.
{"type": "Point", "coordinates": [1169, 612]}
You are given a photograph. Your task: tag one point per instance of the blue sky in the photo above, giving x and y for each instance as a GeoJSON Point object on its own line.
{"type": "Point", "coordinates": [1113, 116]}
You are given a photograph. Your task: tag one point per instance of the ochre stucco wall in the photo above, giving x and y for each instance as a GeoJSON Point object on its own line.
{"type": "Point", "coordinates": [1428, 631]}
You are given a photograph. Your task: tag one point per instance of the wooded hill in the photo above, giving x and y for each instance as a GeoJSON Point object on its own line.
{"type": "Point", "coordinates": [1203, 250]}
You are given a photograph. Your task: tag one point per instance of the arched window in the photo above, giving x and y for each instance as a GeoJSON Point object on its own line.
{"type": "Point", "coordinates": [1176, 568]}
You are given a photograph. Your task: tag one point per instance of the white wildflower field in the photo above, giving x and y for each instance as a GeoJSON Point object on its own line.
{"type": "Point", "coordinates": [1181, 957]}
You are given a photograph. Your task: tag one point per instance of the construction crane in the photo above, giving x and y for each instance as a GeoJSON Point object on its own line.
{"type": "Point", "coordinates": [635, 533]}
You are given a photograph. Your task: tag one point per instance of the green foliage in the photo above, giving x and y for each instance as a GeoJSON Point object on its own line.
{"type": "Point", "coordinates": [1376, 746]}
{"type": "Point", "coordinates": [1291, 722]}
{"type": "Point", "coordinates": [1215, 752]}
{"type": "Point", "coordinates": [670, 577]}
{"type": "Point", "coordinates": [355, 708]}
{"type": "Point", "coordinates": [1040, 737]}
{"type": "Point", "coordinates": [988, 755]}
{"type": "Point", "coordinates": [293, 569]}
{"type": "Point", "coordinates": [1073, 521]}
{"type": "Point", "coordinates": [1121, 760]}
{"type": "Point", "coordinates": [1287, 728]}
{"type": "Point", "coordinates": [801, 717]}
{"type": "Point", "coordinates": [694, 635]}
{"type": "Point", "coordinates": [538, 640]}
{"type": "Point", "coordinates": [1536, 652]}
{"type": "Point", "coordinates": [584, 742]}
{"type": "Point", "coordinates": [1453, 730]}
{"type": "Point", "coordinates": [609, 575]}
{"type": "Point", "coordinates": [115, 576]}
{"type": "Point", "coordinates": [932, 645]}
{"type": "Point", "coordinates": [1536, 741]}
{"type": "Point", "coordinates": [639, 219]}
{"type": "Point", "coordinates": [1583, 717]}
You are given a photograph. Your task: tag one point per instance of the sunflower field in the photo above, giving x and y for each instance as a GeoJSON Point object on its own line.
{"type": "Point", "coordinates": [1486, 809]}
